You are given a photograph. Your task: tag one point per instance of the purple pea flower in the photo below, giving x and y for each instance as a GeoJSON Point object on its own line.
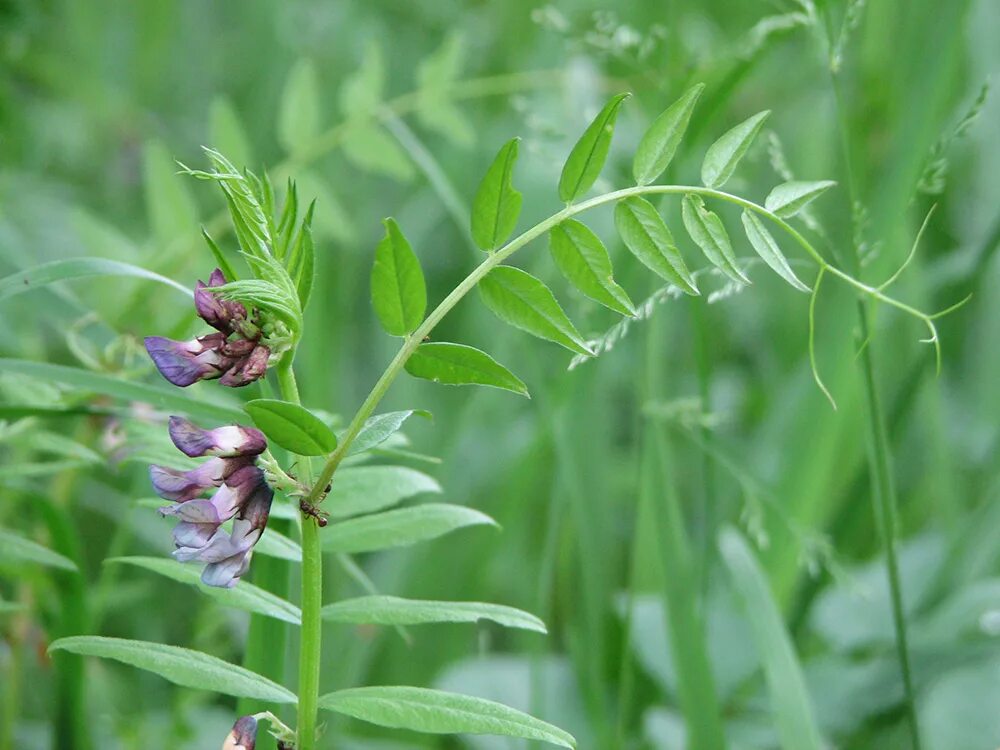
{"type": "Point", "coordinates": [234, 354]}
{"type": "Point", "coordinates": [228, 442]}
{"type": "Point", "coordinates": [243, 736]}
{"type": "Point", "coordinates": [243, 497]}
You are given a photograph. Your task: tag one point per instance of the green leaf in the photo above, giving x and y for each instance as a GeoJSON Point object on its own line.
{"type": "Point", "coordinates": [220, 259]}
{"type": "Point", "coordinates": [457, 364]}
{"type": "Point", "coordinates": [181, 666]}
{"type": "Point", "coordinates": [497, 204]}
{"type": "Point", "coordinates": [291, 426]}
{"type": "Point", "coordinates": [361, 92]}
{"type": "Point", "coordinates": [660, 142]}
{"type": "Point", "coordinates": [372, 149]}
{"type": "Point", "coordinates": [302, 259]}
{"type": "Point", "coordinates": [227, 132]}
{"type": "Point", "coordinates": [17, 549]}
{"type": "Point", "coordinates": [769, 251]}
{"type": "Point", "coordinates": [438, 712]}
{"type": "Point", "coordinates": [164, 398]}
{"type": "Point", "coordinates": [299, 111]}
{"type": "Point", "coordinates": [521, 300]}
{"type": "Point", "coordinates": [586, 160]}
{"type": "Point", "coordinates": [392, 610]}
{"type": "Point", "coordinates": [724, 155]}
{"type": "Point", "coordinates": [788, 198]}
{"type": "Point", "coordinates": [650, 241]}
{"type": "Point", "coordinates": [275, 544]}
{"type": "Point", "coordinates": [400, 528]}
{"type": "Point", "coordinates": [583, 260]}
{"type": "Point", "coordinates": [169, 205]}
{"type": "Point", "coordinates": [399, 294]}
{"type": "Point", "coordinates": [243, 595]}
{"type": "Point", "coordinates": [366, 489]}
{"type": "Point", "coordinates": [790, 703]}
{"type": "Point", "coordinates": [708, 232]}
{"type": "Point", "coordinates": [436, 76]}
{"type": "Point", "coordinates": [379, 428]}
{"type": "Point", "coordinates": [77, 268]}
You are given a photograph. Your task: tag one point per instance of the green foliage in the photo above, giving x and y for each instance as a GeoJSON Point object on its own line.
{"type": "Point", "coordinates": [583, 260]}
{"type": "Point", "coordinates": [768, 249]}
{"type": "Point", "coordinates": [521, 300]}
{"type": "Point", "coordinates": [457, 364]}
{"type": "Point", "coordinates": [706, 229]}
{"type": "Point", "coordinates": [497, 204]}
{"type": "Point", "coordinates": [292, 427]}
{"type": "Point", "coordinates": [392, 610]}
{"type": "Point", "coordinates": [659, 144]}
{"type": "Point", "coordinates": [790, 702]}
{"type": "Point", "coordinates": [181, 666]}
{"type": "Point", "coordinates": [243, 596]}
{"type": "Point", "coordinates": [438, 712]}
{"type": "Point", "coordinates": [650, 241]}
{"type": "Point", "coordinates": [789, 198]}
{"type": "Point", "coordinates": [399, 294]}
{"type": "Point", "coordinates": [366, 489]}
{"type": "Point", "coordinates": [725, 154]}
{"type": "Point", "coordinates": [76, 268]}
{"type": "Point", "coordinates": [586, 160]}
{"type": "Point", "coordinates": [299, 116]}
{"type": "Point", "coordinates": [16, 549]}
{"type": "Point", "coordinates": [401, 528]}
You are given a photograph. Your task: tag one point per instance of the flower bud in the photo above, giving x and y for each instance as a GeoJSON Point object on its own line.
{"type": "Point", "coordinates": [218, 313]}
{"type": "Point", "coordinates": [243, 736]}
{"type": "Point", "coordinates": [231, 440]}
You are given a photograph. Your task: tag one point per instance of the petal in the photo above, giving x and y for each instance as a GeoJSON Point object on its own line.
{"type": "Point", "coordinates": [225, 573]}
{"type": "Point", "coordinates": [181, 363]}
{"type": "Point", "coordinates": [237, 440]}
{"type": "Point", "coordinates": [179, 486]}
{"type": "Point", "coordinates": [192, 537]}
{"type": "Point", "coordinates": [189, 438]}
{"type": "Point", "coordinates": [197, 511]}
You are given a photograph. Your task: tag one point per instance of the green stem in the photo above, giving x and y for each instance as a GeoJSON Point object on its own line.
{"type": "Point", "coordinates": [884, 489]}
{"type": "Point", "coordinates": [311, 634]}
{"type": "Point", "coordinates": [311, 640]}
{"type": "Point", "coordinates": [411, 342]}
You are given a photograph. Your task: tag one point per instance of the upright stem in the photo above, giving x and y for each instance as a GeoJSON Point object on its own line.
{"type": "Point", "coordinates": [884, 490]}
{"type": "Point", "coordinates": [311, 634]}
{"type": "Point", "coordinates": [880, 462]}
{"type": "Point", "coordinates": [310, 644]}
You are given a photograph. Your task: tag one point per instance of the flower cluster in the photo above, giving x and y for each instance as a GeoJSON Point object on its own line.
{"type": "Point", "coordinates": [241, 495]}
{"type": "Point", "coordinates": [234, 354]}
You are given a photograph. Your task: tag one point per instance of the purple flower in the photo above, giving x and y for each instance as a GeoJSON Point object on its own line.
{"type": "Point", "coordinates": [227, 442]}
{"type": "Point", "coordinates": [243, 497]}
{"type": "Point", "coordinates": [187, 362]}
{"type": "Point", "coordinates": [243, 736]}
{"type": "Point", "coordinates": [248, 369]}
{"type": "Point", "coordinates": [234, 354]}
{"type": "Point", "coordinates": [227, 554]}
{"type": "Point", "coordinates": [218, 313]}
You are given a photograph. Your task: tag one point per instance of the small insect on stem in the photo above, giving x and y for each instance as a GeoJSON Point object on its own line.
{"type": "Point", "coordinates": [309, 509]}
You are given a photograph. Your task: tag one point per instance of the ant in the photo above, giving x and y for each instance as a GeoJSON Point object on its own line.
{"type": "Point", "coordinates": [311, 510]}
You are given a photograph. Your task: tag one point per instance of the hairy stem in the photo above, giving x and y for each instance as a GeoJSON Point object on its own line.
{"type": "Point", "coordinates": [311, 634]}
{"type": "Point", "coordinates": [411, 342]}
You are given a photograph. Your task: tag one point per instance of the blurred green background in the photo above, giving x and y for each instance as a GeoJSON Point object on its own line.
{"type": "Point", "coordinates": [708, 406]}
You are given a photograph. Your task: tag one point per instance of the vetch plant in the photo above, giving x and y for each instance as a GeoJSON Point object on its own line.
{"type": "Point", "coordinates": [258, 318]}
